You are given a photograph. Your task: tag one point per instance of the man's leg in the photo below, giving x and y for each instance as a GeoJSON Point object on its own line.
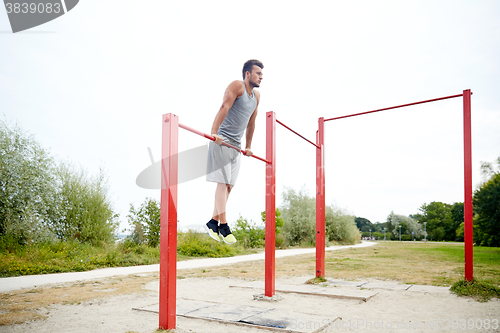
{"type": "Point", "coordinates": [221, 196]}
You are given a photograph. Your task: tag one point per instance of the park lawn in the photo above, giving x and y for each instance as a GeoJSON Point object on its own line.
{"type": "Point", "coordinates": [439, 264]}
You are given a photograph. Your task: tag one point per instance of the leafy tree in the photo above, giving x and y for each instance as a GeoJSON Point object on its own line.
{"type": "Point", "coordinates": [461, 231]}
{"type": "Point", "coordinates": [248, 233]}
{"type": "Point", "coordinates": [439, 215]}
{"type": "Point", "coordinates": [27, 184]}
{"type": "Point", "coordinates": [408, 226]}
{"type": "Point", "coordinates": [40, 200]}
{"type": "Point", "coordinates": [457, 215]}
{"type": "Point", "coordinates": [340, 226]}
{"type": "Point", "coordinates": [365, 225]}
{"type": "Point", "coordinates": [145, 222]}
{"type": "Point", "coordinates": [299, 214]}
{"type": "Point", "coordinates": [361, 222]}
{"type": "Point", "coordinates": [84, 211]}
{"type": "Point", "coordinates": [278, 220]}
{"type": "Point", "coordinates": [487, 207]}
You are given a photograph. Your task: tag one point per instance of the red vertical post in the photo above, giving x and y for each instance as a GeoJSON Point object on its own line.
{"type": "Point", "coordinates": [168, 221]}
{"type": "Point", "coordinates": [320, 199]}
{"type": "Point", "coordinates": [270, 202]}
{"type": "Point", "coordinates": [468, 239]}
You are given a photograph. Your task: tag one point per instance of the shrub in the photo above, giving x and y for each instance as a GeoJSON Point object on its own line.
{"type": "Point", "coordinates": [481, 291]}
{"type": "Point", "coordinates": [27, 184]}
{"type": "Point", "coordinates": [298, 211]}
{"type": "Point", "coordinates": [299, 214]}
{"type": "Point", "coordinates": [145, 222]}
{"type": "Point", "coordinates": [40, 200]}
{"type": "Point", "coordinates": [84, 210]}
{"type": "Point", "coordinates": [248, 233]}
{"type": "Point", "coordinates": [195, 244]}
{"type": "Point", "coordinates": [340, 226]}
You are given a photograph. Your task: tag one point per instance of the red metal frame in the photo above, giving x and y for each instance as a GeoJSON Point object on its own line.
{"type": "Point", "coordinates": [468, 208]}
{"type": "Point", "coordinates": [320, 199]}
{"type": "Point", "coordinates": [320, 194]}
{"type": "Point", "coordinates": [168, 232]}
{"type": "Point", "coordinates": [468, 229]}
{"type": "Point", "coordinates": [168, 221]}
{"type": "Point", "coordinates": [210, 137]}
{"type": "Point", "coordinates": [291, 130]}
{"type": "Point", "coordinates": [394, 107]}
{"type": "Point", "coordinates": [270, 203]}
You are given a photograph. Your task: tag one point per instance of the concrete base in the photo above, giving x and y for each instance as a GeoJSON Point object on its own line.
{"type": "Point", "coordinates": [314, 290]}
{"type": "Point", "coordinates": [243, 315]}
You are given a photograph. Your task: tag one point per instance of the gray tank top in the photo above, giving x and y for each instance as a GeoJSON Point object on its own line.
{"type": "Point", "coordinates": [237, 117]}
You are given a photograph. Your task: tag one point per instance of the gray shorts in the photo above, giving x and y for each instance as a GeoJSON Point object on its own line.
{"type": "Point", "coordinates": [223, 163]}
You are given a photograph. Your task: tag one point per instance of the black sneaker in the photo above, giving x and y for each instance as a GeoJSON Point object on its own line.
{"type": "Point", "coordinates": [226, 234]}
{"type": "Point", "coordinates": [212, 228]}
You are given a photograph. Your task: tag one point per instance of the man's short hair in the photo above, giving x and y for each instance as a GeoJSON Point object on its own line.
{"type": "Point", "coordinates": [248, 66]}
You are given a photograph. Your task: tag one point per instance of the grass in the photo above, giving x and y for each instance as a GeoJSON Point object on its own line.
{"type": "Point", "coordinates": [316, 280]}
{"type": "Point", "coordinates": [479, 290]}
{"type": "Point", "coordinates": [439, 264]}
{"type": "Point", "coordinates": [72, 257]}
{"type": "Point", "coordinates": [59, 257]}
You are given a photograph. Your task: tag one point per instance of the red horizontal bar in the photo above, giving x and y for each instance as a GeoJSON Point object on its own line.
{"type": "Point", "coordinates": [395, 107]}
{"type": "Point", "coordinates": [210, 137]}
{"type": "Point", "coordinates": [279, 122]}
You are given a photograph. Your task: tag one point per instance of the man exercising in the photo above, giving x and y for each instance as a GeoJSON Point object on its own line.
{"type": "Point", "coordinates": [237, 113]}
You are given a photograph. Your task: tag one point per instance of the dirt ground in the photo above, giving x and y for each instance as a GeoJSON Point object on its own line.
{"type": "Point", "coordinates": [391, 309]}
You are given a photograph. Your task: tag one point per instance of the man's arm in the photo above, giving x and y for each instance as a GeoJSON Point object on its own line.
{"type": "Point", "coordinates": [251, 127]}
{"type": "Point", "coordinates": [233, 91]}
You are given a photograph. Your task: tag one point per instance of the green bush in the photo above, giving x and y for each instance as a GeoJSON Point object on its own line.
{"type": "Point", "coordinates": [128, 245]}
{"type": "Point", "coordinates": [481, 291]}
{"type": "Point", "coordinates": [195, 244]}
{"type": "Point", "coordinates": [41, 200]}
{"type": "Point", "coordinates": [10, 244]}
{"type": "Point", "coordinates": [84, 210]}
{"type": "Point", "coordinates": [248, 234]}
{"type": "Point", "coordinates": [487, 207]}
{"type": "Point", "coordinates": [145, 222]}
{"type": "Point", "coordinates": [59, 256]}
{"type": "Point", "coordinates": [27, 185]}
{"type": "Point", "coordinates": [341, 227]}
{"type": "Point", "coordinates": [279, 241]}
{"type": "Point", "coordinates": [299, 214]}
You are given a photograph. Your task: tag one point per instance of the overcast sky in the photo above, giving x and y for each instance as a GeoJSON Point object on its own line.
{"type": "Point", "coordinates": [93, 84]}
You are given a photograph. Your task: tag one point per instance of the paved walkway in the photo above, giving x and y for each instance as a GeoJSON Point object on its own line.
{"type": "Point", "coordinates": [31, 281]}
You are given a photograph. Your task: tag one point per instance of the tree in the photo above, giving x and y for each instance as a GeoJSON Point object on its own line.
{"type": "Point", "coordinates": [457, 215]}
{"type": "Point", "coordinates": [438, 215]}
{"type": "Point", "coordinates": [486, 203]}
{"type": "Point", "coordinates": [27, 184]}
{"type": "Point", "coordinates": [299, 214]}
{"type": "Point", "coordinates": [42, 200]}
{"type": "Point", "coordinates": [278, 225]}
{"type": "Point", "coordinates": [145, 222]}
{"type": "Point", "coordinates": [408, 225]}
{"type": "Point", "coordinates": [340, 226]}
{"type": "Point", "coordinates": [84, 211]}
{"type": "Point", "coordinates": [248, 233]}
{"type": "Point", "coordinates": [361, 222]}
